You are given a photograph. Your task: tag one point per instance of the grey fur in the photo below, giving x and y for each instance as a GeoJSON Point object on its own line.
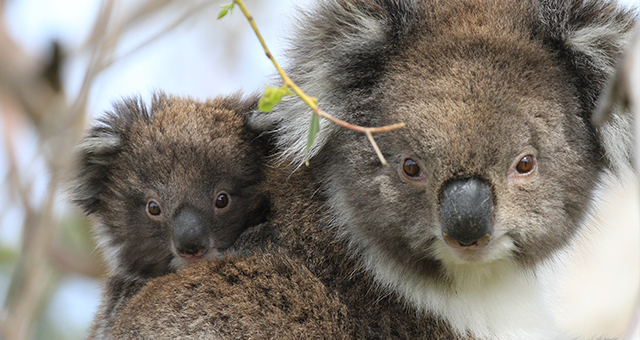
{"type": "Point", "coordinates": [480, 84]}
{"type": "Point", "coordinates": [375, 63]}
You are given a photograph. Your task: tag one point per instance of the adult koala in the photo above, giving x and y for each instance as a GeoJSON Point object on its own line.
{"type": "Point", "coordinates": [457, 237]}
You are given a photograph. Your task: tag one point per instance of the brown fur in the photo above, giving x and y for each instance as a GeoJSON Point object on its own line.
{"type": "Point", "coordinates": [327, 296]}
{"type": "Point", "coordinates": [479, 84]}
{"type": "Point", "coordinates": [247, 284]}
{"type": "Point", "coordinates": [182, 153]}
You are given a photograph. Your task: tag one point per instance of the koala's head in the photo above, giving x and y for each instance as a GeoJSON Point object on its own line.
{"type": "Point", "coordinates": [499, 158]}
{"type": "Point", "coordinates": [170, 185]}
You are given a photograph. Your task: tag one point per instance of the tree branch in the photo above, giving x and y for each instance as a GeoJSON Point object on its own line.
{"type": "Point", "coordinates": [313, 102]}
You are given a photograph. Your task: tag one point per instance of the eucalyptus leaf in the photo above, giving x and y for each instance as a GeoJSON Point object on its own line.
{"type": "Point", "coordinates": [271, 97]}
{"type": "Point", "coordinates": [225, 10]}
{"type": "Point", "coordinates": [314, 128]}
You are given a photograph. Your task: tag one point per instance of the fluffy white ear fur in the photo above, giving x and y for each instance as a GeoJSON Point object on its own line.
{"type": "Point", "coordinates": [596, 33]}
{"type": "Point", "coordinates": [618, 139]}
{"type": "Point", "coordinates": [95, 154]}
{"type": "Point", "coordinates": [619, 107]}
{"type": "Point", "coordinates": [100, 142]}
{"type": "Point", "coordinates": [96, 149]}
{"type": "Point", "coordinates": [587, 40]}
{"type": "Point", "coordinates": [313, 67]}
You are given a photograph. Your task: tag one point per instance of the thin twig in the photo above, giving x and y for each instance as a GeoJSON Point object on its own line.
{"type": "Point", "coordinates": [189, 12]}
{"type": "Point", "coordinates": [376, 148]}
{"type": "Point", "coordinates": [78, 107]}
{"type": "Point", "coordinates": [313, 102]}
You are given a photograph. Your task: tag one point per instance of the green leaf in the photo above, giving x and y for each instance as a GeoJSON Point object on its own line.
{"type": "Point", "coordinates": [314, 128]}
{"type": "Point", "coordinates": [271, 97]}
{"type": "Point", "coordinates": [225, 10]}
{"type": "Point", "coordinates": [222, 13]}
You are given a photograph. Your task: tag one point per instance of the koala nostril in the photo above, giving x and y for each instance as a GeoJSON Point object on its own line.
{"type": "Point", "coordinates": [453, 243]}
{"type": "Point", "coordinates": [189, 250]}
{"type": "Point", "coordinates": [467, 213]}
{"type": "Point", "coordinates": [190, 233]}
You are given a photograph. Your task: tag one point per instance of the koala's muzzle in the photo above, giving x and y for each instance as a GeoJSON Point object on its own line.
{"type": "Point", "coordinates": [190, 233]}
{"type": "Point", "coordinates": [467, 213]}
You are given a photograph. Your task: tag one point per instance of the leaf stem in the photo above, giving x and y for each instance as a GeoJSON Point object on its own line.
{"type": "Point", "coordinates": [313, 102]}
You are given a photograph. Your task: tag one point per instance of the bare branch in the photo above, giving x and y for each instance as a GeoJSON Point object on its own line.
{"type": "Point", "coordinates": [181, 19]}
{"type": "Point", "coordinates": [104, 46]}
{"type": "Point", "coordinates": [58, 125]}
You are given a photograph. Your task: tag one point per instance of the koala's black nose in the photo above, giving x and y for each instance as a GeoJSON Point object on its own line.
{"type": "Point", "coordinates": [467, 213]}
{"type": "Point", "coordinates": [190, 233]}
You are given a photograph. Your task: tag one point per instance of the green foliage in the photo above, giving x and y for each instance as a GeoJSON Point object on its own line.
{"type": "Point", "coordinates": [226, 9]}
{"type": "Point", "coordinates": [271, 97]}
{"type": "Point", "coordinates": [314, 128]}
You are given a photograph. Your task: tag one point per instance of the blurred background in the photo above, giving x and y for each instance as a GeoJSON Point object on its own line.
{"type": "Point", "coordinates": [62, 63]}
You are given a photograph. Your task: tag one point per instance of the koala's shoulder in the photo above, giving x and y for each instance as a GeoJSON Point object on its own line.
{"type": "Point", "coordinates": [265, 296]}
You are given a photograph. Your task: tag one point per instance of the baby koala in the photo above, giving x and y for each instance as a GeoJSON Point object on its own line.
{"type": "Point", "coordinates": [167, 186]}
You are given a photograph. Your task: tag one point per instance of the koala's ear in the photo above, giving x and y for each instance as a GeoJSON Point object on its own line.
{"type": "Point", "coordinates": [95, 155]}
{"type": "Point", "coordinates": [97, 151]}
{"type": "Point", "coordinates": [622, 95]}
{"type": "Point", "coordinates": [339, 53]}
{"type": "Point", "coordinates": [590, 37]}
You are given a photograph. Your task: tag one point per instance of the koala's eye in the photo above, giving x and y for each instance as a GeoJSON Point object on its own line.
{"type": "Point", "coordinates": [222, 201]}
{"type": "Point", "coordinates": [411, 168]}
{"type": "Point", "coordinates": [525, 165]}
{"type": "Point", "coordinates": [153, 208]}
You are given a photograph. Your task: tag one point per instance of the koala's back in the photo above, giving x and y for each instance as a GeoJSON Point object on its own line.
{"type": "Point", "coordinates": [236, 298]}
{"type": "Point", "coordinates": [298, 282]}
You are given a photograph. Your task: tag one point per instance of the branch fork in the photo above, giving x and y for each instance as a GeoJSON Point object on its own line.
{"type": "Point", "coordinates": [310, 101]}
